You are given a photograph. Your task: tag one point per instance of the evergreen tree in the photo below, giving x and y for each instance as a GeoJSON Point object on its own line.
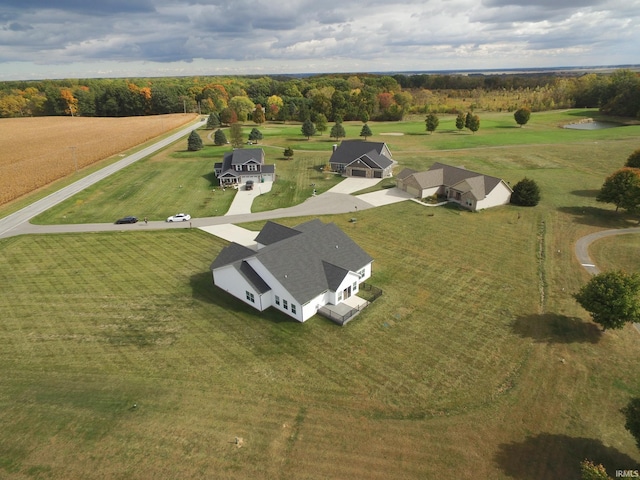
{"type": "Point", "coordinates": [337, 131]}
{"type": "Point", "coordinates": [366, 131]}
{"type": "Point", "coordinates": [194, 142]}
{"type": "Point", "coordinates": [213, 121]}
{"type": "Point", "coordinates": [288, 152]}
{"type": "Point", "coordinates": [461, 120]}
{"type": "Point", "coordinates": [308, 128]}
{"type": "Point", "coordinates": [432, 122]}
{"type": "Point", "coordinates": [255, 135]}
{"type": "Point", "coordinates": [467, 119]}
{"type": "Point", "coordinates": [473, 123]}
{"type": "Point", "coordinates": [526, 193]}
{"type": "Point", "coordinates": [219, 138]}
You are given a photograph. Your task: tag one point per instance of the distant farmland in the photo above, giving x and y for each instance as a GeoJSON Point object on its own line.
{"type": "Point", "coordinates": [39, 150]}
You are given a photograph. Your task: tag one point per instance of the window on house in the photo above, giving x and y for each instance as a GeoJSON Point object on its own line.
{"type": "Point", "coordinates": [250, 297]}
{"type": "Point", "coordinates": [355, 286]}
{"type": "Point", "coordinates": [285, 305]}
{"type": "Point", "coordinates": [252, 167]}
{"type": "Point", "coordinates": [361, 273]}
{"type": "Point", "coordinates": [293, 309]}
{"type": "Point", "coordinates": [277, 300]}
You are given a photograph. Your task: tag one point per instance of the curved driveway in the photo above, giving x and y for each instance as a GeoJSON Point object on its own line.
{"type": "Point", "coordinates": [582, 250]}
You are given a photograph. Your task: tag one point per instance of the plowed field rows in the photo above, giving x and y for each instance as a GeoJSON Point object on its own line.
{"type": "Point", "coordinates": [37, 151]}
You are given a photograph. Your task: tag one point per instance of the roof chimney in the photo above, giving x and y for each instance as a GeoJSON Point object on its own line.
{"type": "Point", "coordinates": [335, 146]}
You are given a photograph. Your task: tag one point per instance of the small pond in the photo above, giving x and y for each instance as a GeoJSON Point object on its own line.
{"type": "Point", "coordinates": [592, 125]}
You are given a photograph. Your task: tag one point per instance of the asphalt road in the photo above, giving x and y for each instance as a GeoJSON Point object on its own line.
{"type": "Point", "coordinates": [582, 250]}
{"type": "Point", "coordinates": [17, 223]}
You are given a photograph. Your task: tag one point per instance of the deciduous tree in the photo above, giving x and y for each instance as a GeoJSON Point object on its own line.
{"type": "Point", "coordinates": [633, 160]}
{"type": "Point", "coordinates": [321, 123]}
{"type": "Point", "coordinates": [632, 418]}
{"type": "Point", "coordinates": [258, 115]}
{"type": "Point", "coordinates": [622, 188]}
{"type": "Point", "coordinates": [235, 132]}
{"type": "Point", "coordinates": [591, 471]}
{"type": "Point", "coordinates": [288, 152]}
{"type": "Point", "coordinates": [461, 120]}
{"type": "Point", "coordinates": [522, 116]}
{"type": "Point", "coordinates": [612, 298]}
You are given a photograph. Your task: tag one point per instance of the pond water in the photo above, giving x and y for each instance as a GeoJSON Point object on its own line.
{"type": "Point", "coordinates": [591, 125]}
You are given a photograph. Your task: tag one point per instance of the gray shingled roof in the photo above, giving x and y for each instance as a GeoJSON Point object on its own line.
{"type": "Point", "coordinates": [230, 254]}
{"type": "Point", "coordinates": [350, 150]}
{"type": "Point", "coordinates": [274, 232]}
{"type": "Point", "coordinates": [253, 278]}
{"type": "Point", "coordinates": [309, 263]}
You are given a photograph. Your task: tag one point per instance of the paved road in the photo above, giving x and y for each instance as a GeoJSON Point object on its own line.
{"type": "Point", "coordinates": [582, 250]}
{"type": "Point", "coordinates": [16, 222]}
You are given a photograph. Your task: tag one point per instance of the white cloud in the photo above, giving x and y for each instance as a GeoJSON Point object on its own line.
{"type": "Point", "coordinates": [247, 36]}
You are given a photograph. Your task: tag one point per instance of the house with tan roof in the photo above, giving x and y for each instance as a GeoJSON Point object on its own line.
{"type": "Point", "coordinates": [295, 270]}
{"type": "Point", "coordinates": [471, 190]}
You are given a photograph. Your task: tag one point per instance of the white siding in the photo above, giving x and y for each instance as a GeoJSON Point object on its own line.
{"type": "Point", "coordinates": [500, 195]}
{"type": "Point", "coordinates": [230, 280]}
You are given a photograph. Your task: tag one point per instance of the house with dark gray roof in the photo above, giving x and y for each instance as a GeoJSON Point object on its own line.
{"type": "Point", "coordinates": [244, 164]}
{"type": "Point", "coordinates": [357, 158]}
{"type": "Point", "coordinates": [295, 270]}
{"type": "Point", "coordinates": [471, 190]}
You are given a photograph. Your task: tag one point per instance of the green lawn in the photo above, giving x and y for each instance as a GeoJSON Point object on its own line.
{"type": "Point", "coordinates": [475, 363]}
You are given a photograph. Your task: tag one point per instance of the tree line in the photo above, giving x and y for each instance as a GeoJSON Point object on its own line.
{"type": "Point", "coordinates": [349, 97]}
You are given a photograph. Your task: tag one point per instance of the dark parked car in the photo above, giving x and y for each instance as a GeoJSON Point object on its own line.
{"type": "Point", "coordinates": [126, 220]}
{"type": "Point", "coordinates": [249, 185]}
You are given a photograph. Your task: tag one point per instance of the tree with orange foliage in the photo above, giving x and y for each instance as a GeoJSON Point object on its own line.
{"type": "Point", "coordinates": [72, 102]}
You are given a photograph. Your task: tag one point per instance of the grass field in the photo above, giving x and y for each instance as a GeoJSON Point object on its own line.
{"type": "Point", "coordinates": [37, 151]}
{"type": "Point", "coordinates": [455, 372]}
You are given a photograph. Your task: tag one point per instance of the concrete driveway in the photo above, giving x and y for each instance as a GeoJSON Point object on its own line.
{"type": "Point", "coordinates": [233, 233]}
{"type": "Point", "coordinates": [354, 184]}
{"type": "Point", "coordinates": [244, 198]}
{"type": "Point", "coordinates": [385, 197]}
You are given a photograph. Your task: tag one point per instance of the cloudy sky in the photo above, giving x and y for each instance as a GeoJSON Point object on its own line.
{"type": "Point", "coordinates": [126, 38]}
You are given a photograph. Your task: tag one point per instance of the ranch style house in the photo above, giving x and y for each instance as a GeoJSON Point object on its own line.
{"type": "Point", "coordinates": [244, 164]}
{"type": "Point", "coordinates": [357, 158]}
{"type": "Point", "coordinates": [471, 190]}
{"type": "Point", "coordinates": [295, 270]}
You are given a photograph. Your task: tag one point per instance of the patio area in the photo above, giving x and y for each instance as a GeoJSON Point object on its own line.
{"type": "Point", "coordinates": [344, 311]}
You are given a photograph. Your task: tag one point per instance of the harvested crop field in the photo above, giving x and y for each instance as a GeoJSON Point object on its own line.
{"type": "Point", "coordinates": [39, 150]}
